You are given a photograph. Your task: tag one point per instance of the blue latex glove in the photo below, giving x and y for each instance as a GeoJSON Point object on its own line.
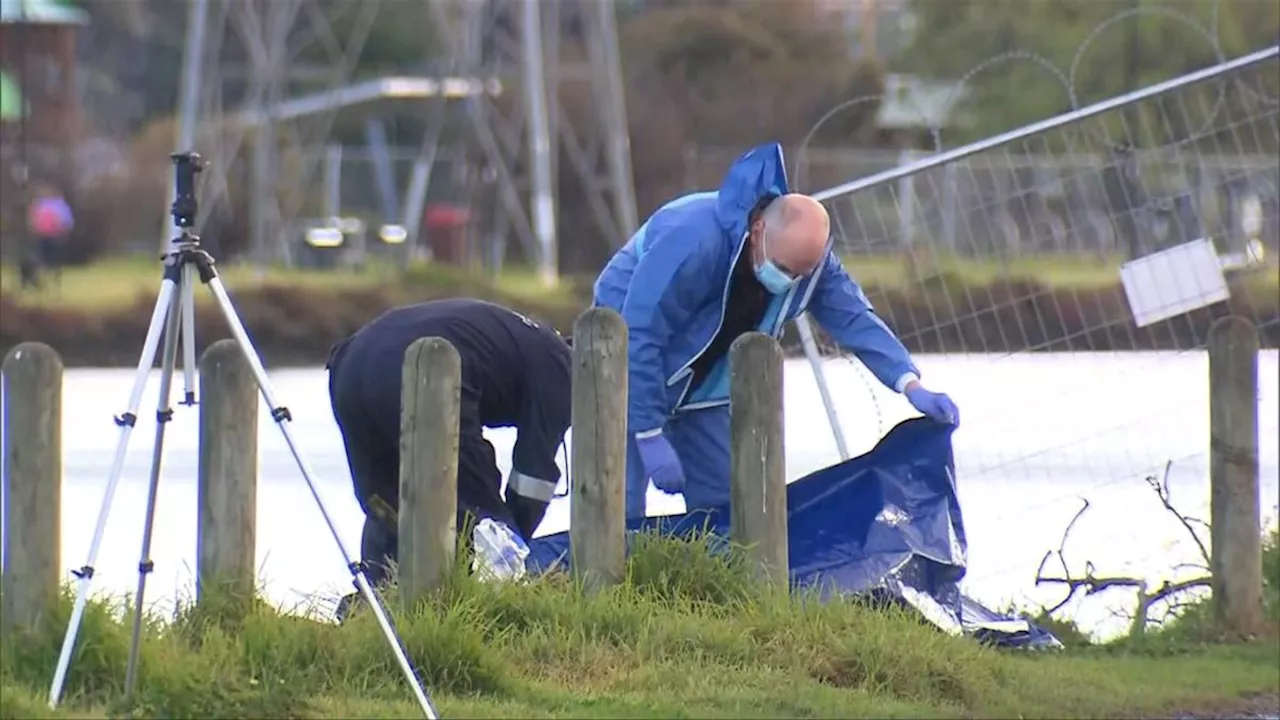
{"type": "Point", "coordinates": [661, 464]}
{"type": "Point", "coordinates": [934, 405]}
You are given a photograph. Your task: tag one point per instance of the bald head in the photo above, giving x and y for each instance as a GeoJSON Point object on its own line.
{"type": "Point", "coordinates": [792, 231]}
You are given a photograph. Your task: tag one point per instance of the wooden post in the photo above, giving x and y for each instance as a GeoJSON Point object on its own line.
{"type": "Point", "coordinates": [429, 425]}
{"type": "Point", "coordinates": [597, 513]}
{"type": "Point", "coordinates": [33, 467]}
{"type": "Point", "coordinates": [227, 479]}
{"type": "Point", "coordinates": [1235, 516]}
{"type": "Point", "coordinates": [758, 496]}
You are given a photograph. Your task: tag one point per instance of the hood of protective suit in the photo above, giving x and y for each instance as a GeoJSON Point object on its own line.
{"type": "Point", "coordinates": [759, 172]}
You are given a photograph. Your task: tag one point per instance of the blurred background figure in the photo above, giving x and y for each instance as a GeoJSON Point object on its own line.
{"type": "Point", "coordinates": [49, 223]}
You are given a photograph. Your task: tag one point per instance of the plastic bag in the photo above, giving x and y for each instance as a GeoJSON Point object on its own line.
{"type": "Point", "coordinates": [500, 553]}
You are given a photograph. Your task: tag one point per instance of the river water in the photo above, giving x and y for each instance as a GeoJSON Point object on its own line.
{"type": "Point", "coordinates": [1039, 434]}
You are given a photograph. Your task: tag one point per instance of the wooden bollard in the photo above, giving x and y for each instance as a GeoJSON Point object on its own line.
{"type": "Point", "coordinates": [1235, 527]}
{"type": "Point", "coordinates": [597, 513]}
{"type": "Point", "coordinates": [227, 479]}
{"type": "Point", "coordinates": [431, 408]}
{"type": "Point", "coordinates": [33, 466]}
{"type": "Point", "coordinates": [758, 495]}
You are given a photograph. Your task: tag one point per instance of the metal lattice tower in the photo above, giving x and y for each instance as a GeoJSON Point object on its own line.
{"type": "Point", "coordinates": [243, 67]}
{"type": "Point", "coordinates": [524, 42]}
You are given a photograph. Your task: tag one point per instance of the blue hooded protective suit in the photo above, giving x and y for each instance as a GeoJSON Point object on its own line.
{"type": "Point", "coordinates": [671, 284]}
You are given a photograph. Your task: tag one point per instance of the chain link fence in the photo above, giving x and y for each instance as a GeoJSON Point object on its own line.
{"type": "Point", "coordinates": [1010, 204]}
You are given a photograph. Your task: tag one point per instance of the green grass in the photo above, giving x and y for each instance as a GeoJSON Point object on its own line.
{"type": "Point", "coordinates": [1080, 272]}
{"type": "Point", "coordinates": [687, 634]}
{"type": "Point", "coordinates": [112, 283]}
{"type": "Point", "coordinates": [1071, 271]}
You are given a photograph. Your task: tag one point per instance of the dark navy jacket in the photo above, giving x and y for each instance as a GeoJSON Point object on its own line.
{"type": "Point", "coordinates": [515, 373]}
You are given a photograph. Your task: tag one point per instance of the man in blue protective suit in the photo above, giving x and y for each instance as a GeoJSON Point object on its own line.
{"type": "Point", "coordinates": [704, 269]}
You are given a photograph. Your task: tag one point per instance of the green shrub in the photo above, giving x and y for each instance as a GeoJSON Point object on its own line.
{"type": "Point", "coordinates": [1271, 574]}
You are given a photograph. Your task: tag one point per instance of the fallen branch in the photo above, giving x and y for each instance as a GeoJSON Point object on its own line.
{"type": "Point", "coordinates": [1092, 584]}
{"type": "Point", "coordinates": [1162, 490]}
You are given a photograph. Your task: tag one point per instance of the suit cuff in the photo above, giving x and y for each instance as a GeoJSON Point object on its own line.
{"type": "Point", "coordinates": [531, 487]}
{"type": "Point", "coordinates": [903, 381]}
{"type": "Point", "coordinates": [649, 434]}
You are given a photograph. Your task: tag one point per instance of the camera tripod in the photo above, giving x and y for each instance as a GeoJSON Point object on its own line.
{"type": "Point", "coordinates": [175, 313]}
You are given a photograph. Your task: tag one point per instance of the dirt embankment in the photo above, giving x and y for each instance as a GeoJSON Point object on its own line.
{"type": "Point", "coordinates": [294, 326]}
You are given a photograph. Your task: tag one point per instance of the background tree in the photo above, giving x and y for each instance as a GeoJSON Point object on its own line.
{"type": "Point", "coordinates": [731, 75]}
{"type": "Point", "coordinates": [1155, 40]}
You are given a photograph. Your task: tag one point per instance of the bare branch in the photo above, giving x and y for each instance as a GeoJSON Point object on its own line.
{"type": "Point", "coordinates": [1162, 491]}
{"type": "Point", "coordinates": [1165, 591]}
{"type": "Point", "coordinates": [1062, 545]}
{"type": "Point", "coordinates": [1170, 589]}
{"type": "Point", "coordinates": [1095, 585]}
{"type": "Point", "coordinates": [1083, 506]}
{"type": "Point", "coordinates": [1092, 584]}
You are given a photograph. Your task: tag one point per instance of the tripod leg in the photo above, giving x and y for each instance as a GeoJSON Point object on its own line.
{"type": "Point", "coordinates": [188, 333]}
{"type": "Point", "coordinates": [126, 422]}
{"type": "Point", "coordinates": [281, 416]}
{"type": "Point", "coordinates": [163, 414]}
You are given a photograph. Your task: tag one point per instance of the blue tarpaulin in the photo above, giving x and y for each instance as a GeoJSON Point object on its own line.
{"type": "Point", "coordinates": [886, 524]}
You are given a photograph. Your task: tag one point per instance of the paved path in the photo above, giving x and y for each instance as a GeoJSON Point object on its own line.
{"type": "Point", "coordinates": [1257, 707]}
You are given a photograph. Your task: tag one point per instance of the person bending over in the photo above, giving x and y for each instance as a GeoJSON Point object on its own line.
{"type": "Point", "coordinates": [703, 270]}
{"type": "Point", "coordinates": [515, 373]}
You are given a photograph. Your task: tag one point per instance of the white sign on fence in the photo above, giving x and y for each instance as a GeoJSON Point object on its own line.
{"type": "Point", "coordinates": [1174, 281]}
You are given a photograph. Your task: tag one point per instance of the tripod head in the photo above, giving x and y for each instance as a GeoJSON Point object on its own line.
{"type": "Point", "coordinates": [185, 208]}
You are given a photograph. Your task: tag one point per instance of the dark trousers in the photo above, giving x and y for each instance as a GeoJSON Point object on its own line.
{"type": "Point", "coordinates": [371, 438]}
{"type": "Point", "coordinates": [701, 441]}
{"type": "Point", "coordinates": [380, 546]}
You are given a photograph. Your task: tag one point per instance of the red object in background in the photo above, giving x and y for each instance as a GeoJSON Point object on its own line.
{"type": "Point", "coordinates": [445, 216]}
{"type": "Point", "coordinates": [446, 227]}
{"type": "Point", "coordinates": [50, 217]}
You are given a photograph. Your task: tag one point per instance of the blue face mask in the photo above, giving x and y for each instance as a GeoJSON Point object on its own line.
{"type": "Point", "coordinates": [771, 276]}
{"type": "Point", "coordinates": [773, 279]}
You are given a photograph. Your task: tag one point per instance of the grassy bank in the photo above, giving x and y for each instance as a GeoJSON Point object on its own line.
{"type": "Point", "coordinates": [687, 635]}
{"type": "Point", "coordinates": [97, 315]}
{"type": "Point", "coordinates": [116, 283]}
